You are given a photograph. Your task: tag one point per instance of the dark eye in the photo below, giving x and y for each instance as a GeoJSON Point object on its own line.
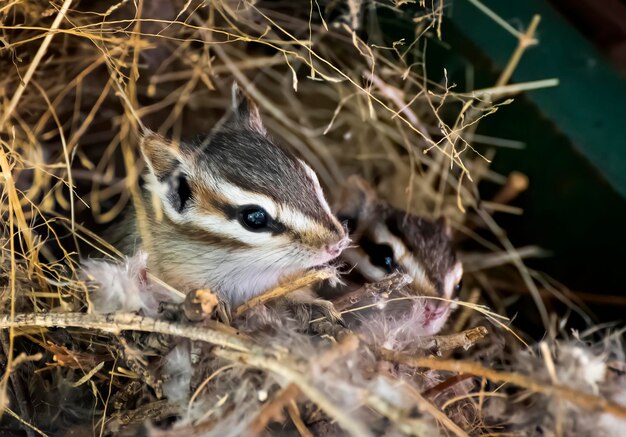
{"type": "Point", "coordinates": [458, 286]}
{"type": "Point", "coordinates": [381, 255]}
{"type": "Point", "coordinates": [385, 261]}
{"type": "Point", "coordinates": [183, 193]}
{"type": "Point", "coordinates": [254, 218]}
{"type": "Point", "coordinates": [390, 264]}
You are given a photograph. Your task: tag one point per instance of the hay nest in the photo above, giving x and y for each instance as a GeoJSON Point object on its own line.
{"type": "Point", "coordinates": [100, 348]}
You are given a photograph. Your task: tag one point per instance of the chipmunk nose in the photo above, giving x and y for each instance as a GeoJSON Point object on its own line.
{"type": "Point", "coordinates": [335, 249]}
{"type": "Point", "coordinates": [434, 310]}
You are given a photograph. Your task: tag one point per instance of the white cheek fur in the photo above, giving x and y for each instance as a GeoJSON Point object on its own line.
{"type": "Point", "coordinates": [451, 279]}
{"type": "Point", "coordinates": [238, 275]}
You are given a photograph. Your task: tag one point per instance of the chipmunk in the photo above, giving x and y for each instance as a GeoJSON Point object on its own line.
{"type": "Point", "coordinates": [240, 213]}
{"type": "Point", "coordinates": [389, 240]}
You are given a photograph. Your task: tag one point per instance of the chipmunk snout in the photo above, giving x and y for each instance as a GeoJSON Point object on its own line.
{"type": "Point", "coordinates": [335, 249]}
{"type": "Point", "coordinates": [434, 310]}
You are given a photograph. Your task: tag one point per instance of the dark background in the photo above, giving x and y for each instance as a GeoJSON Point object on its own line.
{"type": "Point", "coordinates": [575, 153]}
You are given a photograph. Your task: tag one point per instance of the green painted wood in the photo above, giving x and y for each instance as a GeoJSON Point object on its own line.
{"type": "Point", "coordinates": [589, 106]}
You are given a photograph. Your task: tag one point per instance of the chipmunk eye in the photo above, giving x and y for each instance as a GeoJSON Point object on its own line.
{"type": "Point", "coordinates": [390, 264]}
{"type": "Point", "coordinates": [182, 193]}
{"type": "Point", "coordinates": [253, 218]}
{"type": "Point", "coordinates": [381, 255]}
{"type": "Point", "coordinates": [458, 286]}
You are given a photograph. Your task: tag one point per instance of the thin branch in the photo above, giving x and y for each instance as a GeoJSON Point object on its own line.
{"type": "Point", "coordinates": [284, 289]}
{"type": "Point", "coordinates": [36, 60]}
{"type": "Point", "coordinates": [350, 424]}
{"type": "Point", "coordinates": [272, 411]}
{"type": "Point", "coordinates": [438, 344]}
{"type": "Point", "coordinates": [115, 323]}
{"type": "Point", "coordinates": [583, 400]}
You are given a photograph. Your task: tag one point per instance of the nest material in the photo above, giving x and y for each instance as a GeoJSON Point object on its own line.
{"type": "Point", "coordinates": [78, 81]}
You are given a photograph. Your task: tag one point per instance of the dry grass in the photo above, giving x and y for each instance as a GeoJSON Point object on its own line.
{"type": "Point", "coordinates": [77, 81]}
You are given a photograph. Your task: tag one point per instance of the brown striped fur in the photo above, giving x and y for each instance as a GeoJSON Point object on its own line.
{"type": "Point", "coordinates": [203, 187]}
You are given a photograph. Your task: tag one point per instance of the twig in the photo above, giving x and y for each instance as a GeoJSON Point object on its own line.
{"type": "Point", "coordinates": [284, 289]}
{"type": "Point", "coordinates": [153, 410]}
{"type": "Point", "coordinates": [36, 60]}
{"type": "Point", "coordinates": [286, 370]}
{"type": "Point", "coordinates": [583, 400]}
{"type": "Point", "coordinates": [395, 96]}
{"type": "Point", "coordinates": [515, 184]}
{"type": "Point", "coordinates": [432, 392]}
{"type": "Point", "coordinates": [495, 17]}
{"type": "Point", "coordinates": [294, 414]}
{"type": "Point", "coordinates": [466, 312]}
{"type": "Point", "coordinates": [483, 261]}
{"type": "Point", "coordinates": [525, 40]}
{"type": "Point", "coordinates": [272, 411]}
{"type": "Point", "coordinates": [438, 344]}
{"type": "Point", "coordinates": [21, 395]}
{"type": "Point", "coordinates": [435, 412]}
{"type": "Point", "coordinates": [27, 425]}
{"type": "Point", "coordinates": [115, 323]}
{"type": "Point", "coordinates": [498, 92]}
{"type": "Point", "coordinates": [519, 264]}
{"type": "Point", "coordinates": [391, 283]}
{"type": "Point", "coordinates": [120, 322]}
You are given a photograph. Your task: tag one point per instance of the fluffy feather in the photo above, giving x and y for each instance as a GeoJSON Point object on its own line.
{"type": "Point", "coordinates": [177, 374]}
{"type": "Point", "coordinates": [399, 325]}
{"type": "Point", "coordinates": [579, 366]}
{"type": "Point", "coordinates": [124, 286]}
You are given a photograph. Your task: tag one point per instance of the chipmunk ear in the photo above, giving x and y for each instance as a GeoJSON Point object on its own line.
{"type": "Point", "coordinates": [246, 111]}
{"type": "Point", "coordinates": [162, 155]}
{"type": "Point", "coordinates": [169, 182]}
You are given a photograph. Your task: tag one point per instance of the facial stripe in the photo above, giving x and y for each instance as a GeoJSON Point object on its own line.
{"type": "Point", "coordinates": [306, 227]}
{"type": "Point", "coordinates": [230, 197]}
{"type": "Point", "coordinates": [210, 202]}
{"type": "Point", "coordinates": [216, 204]}
{"type": "Point", "coordinates": [316, 185]}
{"type": "Point", "coordinates": [356, 257]}
{"type": "Point", "coordinates": [204, 236]}
{"type": "Point", "coordinates": [237, 196]}
{"type": "Point", "coordinates": [411, 265]}
{"type": "Point", "coordinates": [221, 225]}
{"type": "Point", "coordinates": [452, 279]}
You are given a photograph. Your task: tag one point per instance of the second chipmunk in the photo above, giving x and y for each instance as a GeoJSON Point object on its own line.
{"type": "Point", "coordinates": [239, 212]}
{"type": "Point", "coordinates": [388, 240]}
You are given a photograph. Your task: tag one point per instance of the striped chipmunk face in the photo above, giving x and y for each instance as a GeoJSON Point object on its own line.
{"type": "Point", "coordinates": [388, 240]}
{"type": "Point", "coordinates": [239, 211]}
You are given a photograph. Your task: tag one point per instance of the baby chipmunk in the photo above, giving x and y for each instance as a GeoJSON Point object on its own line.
{"type": "Point", "coordinates": [239, 213]}
{"type": "Point", "coordinates": [388, 240]}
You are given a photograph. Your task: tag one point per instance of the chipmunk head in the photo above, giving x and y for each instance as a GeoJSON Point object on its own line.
{"type": "Point", "coordinates": [240, 212]}
{"type": "Point", "coordinates": [388, 240]}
